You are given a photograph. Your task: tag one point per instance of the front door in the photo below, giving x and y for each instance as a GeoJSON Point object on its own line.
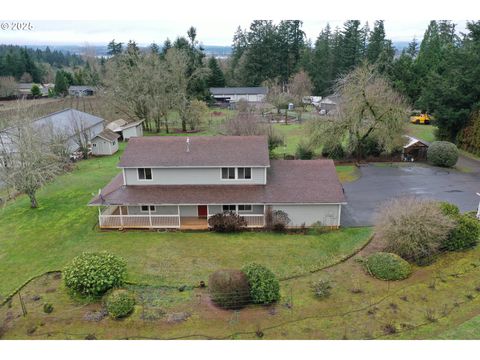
{"type": "Point", "coordinates": [202, 211]}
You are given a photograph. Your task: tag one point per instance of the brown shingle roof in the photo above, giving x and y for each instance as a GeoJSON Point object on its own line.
{"type": "Point", "coordinates": [108, 135]}
{"type": "Point", "coordinates": [288, 181]}
{"type": "Point", "coordinates": [160, 151]}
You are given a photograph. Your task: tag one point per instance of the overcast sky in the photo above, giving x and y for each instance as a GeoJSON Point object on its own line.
{"type": "Point", "coordinates": [209, 32]}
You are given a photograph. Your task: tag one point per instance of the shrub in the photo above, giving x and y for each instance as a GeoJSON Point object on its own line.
{"type": "Point", "coordinates": [229, 289]}
{"type": "Point", "coordinates": [464, 235]}
{"type": "Point", "coordinates": [387, 266]}
{"type": "Point", "coordinates": [333, 151]}
{"type": "Point", "coordinates": [280, 220]}
{"type": "Point", "coordinates": [227, 222]}
{"type": "Point", "coordinates": [120, 303]}
{"type": "Point", "coordinates": [371, 147]}
{"type": "Point", "coordinates": [47, 308]}
{"type": "Point", "coordinates": [318, 228]}
{"type": "Point", "coordinates": [322, 288]}
{"type": "Point", "coordinates": [412, 228]}
{"type": "Point", "coordinates": [304, 151]}
{"type": "Point", "coordinates": [264, 286]}
{"type": "Point", "coordinates": [92, 274]}
{"type": "Point", "coordinates": [449, 209]}
{"type": "Point", "coordinates": [442, 153]}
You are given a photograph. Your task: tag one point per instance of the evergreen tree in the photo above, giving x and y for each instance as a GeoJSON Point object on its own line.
{"type": "Point", "coordinates": [61, 84]}
{"type": "Point", "coordinates": [114, 48]}
{"type": "Point", "coordinates": [216, 78]}
{"type": "Point", "coordinates": [376, 42]}
{"type": "Point", "coordinates": [351, 46]}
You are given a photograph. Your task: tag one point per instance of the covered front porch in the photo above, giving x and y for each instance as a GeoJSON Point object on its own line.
{"type": "Point", "coordinates": [183, 217]}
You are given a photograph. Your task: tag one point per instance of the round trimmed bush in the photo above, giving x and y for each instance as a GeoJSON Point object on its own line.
{"type": "Point", "coordinates": [229, 288]}
{"type": "Point", "coordinates": [465, 234]}
{"type": "Point", "coordinates": [442, 153]}
{"type": "Point", "coordinates": [264, 285]}
{"type": "Point", "coordinates": [388, 266]}
{"type": "Point", "coordinates": [120, 303]}
{"type": "Point", "coordinates": [92, 274]}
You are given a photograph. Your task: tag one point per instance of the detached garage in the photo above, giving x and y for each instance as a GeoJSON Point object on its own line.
{"type": "Point", "coordinates": [105, 143]}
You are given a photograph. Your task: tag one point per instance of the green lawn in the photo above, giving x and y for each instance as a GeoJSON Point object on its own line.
{"type": "Point", "coordinates": [292, 134]}
{"type": "Point", "coordinates": [34, 241]}
{"type": "Point", "coordinates": [423, 132]}
{"type": "Point", "coordinates": [347, 173]}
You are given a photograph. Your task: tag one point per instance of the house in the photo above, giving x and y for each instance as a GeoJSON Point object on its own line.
{"type": "Point", "coordinates": [126, 130]}
{"type": "Point", "coordinates": [177, 182]}
{"type": "Point", "coordinates": [25, 89]}
{"type": "Point", "coordinates": [81, 90]}
{"type": "Point", "coordinates": [234, 94]}
{"type": "Point", "coordinates": [105, 143]}
{"type": "Point", "coordinates": [67, 123]}
{"type": "Point", "coordinates": [328, 105]}
{"type": "Point", "coordinates": [415, 149]}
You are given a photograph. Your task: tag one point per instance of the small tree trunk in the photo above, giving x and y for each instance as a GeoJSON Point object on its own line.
{"type": "Point", "coordinates": [184, 125]}
{"type": "Point", "coordinates": [33, 200]}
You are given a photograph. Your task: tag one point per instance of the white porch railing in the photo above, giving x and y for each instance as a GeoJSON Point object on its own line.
{"type": "Point", "coordinates": [254, 220]}
{"type": "Point", "coordinates": [139, 221]}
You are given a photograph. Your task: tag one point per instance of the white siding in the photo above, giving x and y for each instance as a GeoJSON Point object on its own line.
{"type": "Point", "coordinates": [191, 176]}
{"type": "Point", "coordinates": [104, 147]}
{"type": "Point", "coordinates": [327, 214]}
{"type": "Point", "coordinates": [159, 210]}
{"type": "Point", "coordinates": [134, 131]}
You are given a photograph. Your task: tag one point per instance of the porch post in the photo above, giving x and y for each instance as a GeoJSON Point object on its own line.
{"type": "Point", "coordinates": [121, 216]}
{"type": "Point", "coordinates": [99, 216]}
{"type": "Point", "coordinates": [178, 213]}
{"type": "Point", "coordinates": [150, 215]}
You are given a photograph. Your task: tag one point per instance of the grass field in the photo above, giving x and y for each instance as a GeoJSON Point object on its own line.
{"type": "Point", "coordinates": [423, 132]}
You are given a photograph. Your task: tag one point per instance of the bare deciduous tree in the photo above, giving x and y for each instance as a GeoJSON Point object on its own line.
{"type": "Point", "coordinates": [8, 86]}
{"type": "Point", "coordinates": [300, 86]}
{"type": "Point", "coordinates": [369, 108]}
{"type": "Point", "coordinates": [27, 160]}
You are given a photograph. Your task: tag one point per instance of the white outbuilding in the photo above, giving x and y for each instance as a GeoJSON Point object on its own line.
{"type": "Point", "coordinates": [105, 143]}
{"type": "Point", "coordinates": [126, 130]}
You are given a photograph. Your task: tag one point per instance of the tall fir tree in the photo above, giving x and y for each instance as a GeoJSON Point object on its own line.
{"type": "Point", "coordinates": [216, 78]}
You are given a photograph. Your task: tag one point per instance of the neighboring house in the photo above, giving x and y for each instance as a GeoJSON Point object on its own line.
{"type": "Point", "coordinates": [234, 94]}
{"type": "Point", "coordinates": [105, 143]}
{"type": "Point", "coordinates": [25, 89]}
{"type": "Point", "coordinates": [81, 90]}
{"type": "Point", "coordinates": [328, 105]}
{"type": "Point", "coordinates": [68, 123]}
{"type": "Point", "coordinates": [126, 130]}
{"type": "Point", "coordinates": [415, 149]}
{"type": "Point", "coordinates": [173, 182]}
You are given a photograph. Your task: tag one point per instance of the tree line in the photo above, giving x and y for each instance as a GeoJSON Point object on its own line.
{"type": "Point", "coordinates": [30, 65]}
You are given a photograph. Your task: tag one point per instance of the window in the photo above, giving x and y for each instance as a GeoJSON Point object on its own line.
{"type": "Point", "coordinates": [94, 145]}
{"type": "Point", "coordinates": [144, 174]}
{"type": "Point", "coordinates": [228, 208]}
{"type": "Point", "coordinates": [114, 142]}
{"type": "Point", "coordinates": [228, 173]}
{"type": "Point", "coordinates": [245, 208]}
{"type": "Point", "coordinates": [145, 208]}
{"type": "Point", "coordinates": [244, 173]}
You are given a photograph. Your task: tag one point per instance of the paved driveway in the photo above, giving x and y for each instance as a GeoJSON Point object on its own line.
{"type": "Point", "coordinates": [379, 183]}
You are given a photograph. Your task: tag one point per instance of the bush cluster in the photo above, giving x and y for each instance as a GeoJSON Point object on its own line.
{"type": "Point", "coordinates": [227, 222]}
{"type": "Point", "coordinates": [442, 153]}
{"type": "Point", "coordinates": [264, 286]}
{"type": "Point", "coordinates": [234, 289]}
{"type": "Point", "coordinates": [387, 266]}
{"type": "Point", "coordinates": [229, 289]}
{"type": "Point", "coordinates": [466, 232]}
{"type": "Point", "coordinates": [449, 209]}
{"type": "Point", "coordinates": [92, 274]}
{"type": "Point", "coordinates": [119, 303]}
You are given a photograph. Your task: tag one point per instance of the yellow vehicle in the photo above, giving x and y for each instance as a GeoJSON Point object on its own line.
{"type": "Point", "coordinates": [419, 118]}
